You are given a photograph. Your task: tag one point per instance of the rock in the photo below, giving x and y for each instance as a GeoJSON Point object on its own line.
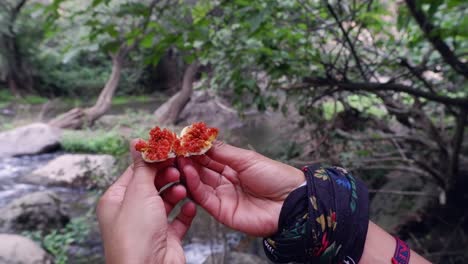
{"type": "Point", "coordinates": [16, 249]}
{"type": "Point", "coordinates": [234, 258]}
{"type": "Point", "coordinates": [392, 210]}
{"type": "Point", "coordinates": [205, 107]}
{"type": "Point", "coordinates": [34, 211]}
{"type": "Point", "coordinates": [27, 140]}
{"type": "Point", "coordinates": [108, 121]}
{"type": "Point", "coordinates": [73, 170]}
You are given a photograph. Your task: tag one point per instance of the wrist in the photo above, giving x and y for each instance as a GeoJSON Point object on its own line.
{"type": "Point", "coordinates": [379, 246]}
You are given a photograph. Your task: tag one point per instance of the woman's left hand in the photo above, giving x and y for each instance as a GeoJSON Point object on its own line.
{"type": "Point", "coordinates": [133, 215]}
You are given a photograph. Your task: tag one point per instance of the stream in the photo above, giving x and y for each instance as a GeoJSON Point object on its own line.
{"type": "Point", "coordinates": [12, 168]}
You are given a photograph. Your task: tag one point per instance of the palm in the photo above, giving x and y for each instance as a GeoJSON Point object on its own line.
{"type": "Point", "coordinates": [242, 189]}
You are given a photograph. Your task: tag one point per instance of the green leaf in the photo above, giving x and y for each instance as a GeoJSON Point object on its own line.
{"type": "Point", "coordinates": [112, 46]}
{"type": "Point", "coordinates": [96, 3]}
{"type": "Point", "coordinates": [147, 41]}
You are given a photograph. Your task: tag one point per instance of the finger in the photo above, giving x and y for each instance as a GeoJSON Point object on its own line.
{"type": "Point", "coordinates": [109, 204]}
{"type": "Point", "coordinates": [116, 192]}
{"type": "Point", "coordinates": [163, 164]}
{"type": "Point", "coordinates": [208, 176]}
{"type": "Point", "coordinates": [125, 178]}
{"type": "Point", "coordinates": [166, 176]}
{"type": "Point", "coordinates": [181, 223]}
{"type": "Point", "coordinates": [209, 163]}
{"type": "Point", "coordinates": [214, 173]}
{"type": "Point", "coordinates": [237, 158]}
{"type": "Point", "coordinates": [172, 196]}
{"type": "Point", "coordinates": [200, 192]}
{"type": "Point", "coordinates": [142, 183]}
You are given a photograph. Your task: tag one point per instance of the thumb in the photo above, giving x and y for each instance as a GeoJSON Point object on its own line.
{"type": "Point", "coordinates": [143, 175]}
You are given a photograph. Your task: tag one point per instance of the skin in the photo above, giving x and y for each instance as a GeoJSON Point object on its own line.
{"type": "Point", "coordinates": [240, 188]}
{"type": "Point", "coordinates": [245, 191]}
{"type": "Point", "coordinates": [132, 215]}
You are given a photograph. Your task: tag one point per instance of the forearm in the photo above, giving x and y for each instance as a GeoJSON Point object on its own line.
{"type": "Point", "coordinates": [380, 248]}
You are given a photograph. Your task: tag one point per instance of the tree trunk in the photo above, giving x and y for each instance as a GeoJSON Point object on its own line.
{"type": "Point", "coordinates": [18, 75]}
{"type": "Point", "coordinates": [78, 117]}
{"type": "Point", "coordinates": [169, 112]}
{"type": "Point", "coordinates": [168, 73]}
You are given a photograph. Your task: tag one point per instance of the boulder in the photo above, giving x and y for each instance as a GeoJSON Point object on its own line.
{"type": "Point", "coordinates": [34, 211]}
{"type": "Point", "coordinates": [16, 249]}
{"type": "Point", "coordinates": [234, 258]}
{"type": "Point", "coordinates": [28, 140]}
{"type": "Point", "coordinates": [72, 170]}
{"type": "Point", "coordinates": [211, 110]}
{"type": "Point", "coordinates": [108, 121]}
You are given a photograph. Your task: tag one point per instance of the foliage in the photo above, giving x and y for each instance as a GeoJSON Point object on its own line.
{"type": "Point", "coordinates": [6, 97]}
{"type": "Point", "coordinates": [98, 141]}
{"type": "Point", "coordinates": [79, 77]}
{"type": "Point", "coordinates": [20, 26]}
{"type": "Point", "coordinates": [396, 62]}
{"type": "Point", "coordinates": [57, 242]}
{"type": "Point", "coordinates": [121, 100]}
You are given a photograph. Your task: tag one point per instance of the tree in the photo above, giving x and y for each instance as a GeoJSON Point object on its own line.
{"type": "Point", "coordinates": [151, 29]}
{"type": "Point", "coordinates": [17, 72]}
{"type": "Point", "coordinates": [384, 52]}
{"type": "Point", "coordinates": [170, 110]}
{"type": "Point", "coordinates": [119, 28]}
{"type": "Point", "coordinates": [186, 38]}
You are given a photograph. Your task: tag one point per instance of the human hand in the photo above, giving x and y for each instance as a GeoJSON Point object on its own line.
{"type": "Point", "coordinates": [133, 215]}
{"type": "Point", "coordinates": [240, 188]}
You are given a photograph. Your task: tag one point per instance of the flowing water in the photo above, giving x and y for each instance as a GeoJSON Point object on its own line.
{"type": "Point", "coordinates": [12, 168]}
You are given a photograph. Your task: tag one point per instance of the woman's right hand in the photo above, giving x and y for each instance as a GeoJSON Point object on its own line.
{"type": "Point", "coordinates": [240, 188]}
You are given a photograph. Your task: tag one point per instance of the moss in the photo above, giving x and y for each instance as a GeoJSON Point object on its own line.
{"type": "Point", "coordinates": [120, 100]}
{"type": "Point", "coordinates": [6, 97]}
{"type": "Point", "coordinates": [368, 104]}
{"type": "Point", "coordinates": [99, 142]}
{"type": "Point", "coordinates": [331, 108]}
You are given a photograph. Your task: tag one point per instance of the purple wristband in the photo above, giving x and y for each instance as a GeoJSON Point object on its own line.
{"type": "Point", "coordinates": [402, 252]}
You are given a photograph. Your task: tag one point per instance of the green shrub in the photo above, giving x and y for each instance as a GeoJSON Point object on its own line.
{"type": "Point", "coordinates": [58, 241]}
{"type": "Point", "coordinates": [6, 97]}
{"type": "Point", "coordinates": [120, 100]}
{"type": "Point", "coordinates": [35, 99]}
{"type": "Point", "coordinates": [84, 76]}
{"type": "Point", "coordinates": [99, 142]}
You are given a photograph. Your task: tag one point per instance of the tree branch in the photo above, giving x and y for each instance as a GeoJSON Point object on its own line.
{"type": "Point", "coordinates": [14, 15]}
{"type": "Point", "coordinates": [457, 142]}
{"type": "Point", "coordinates": [438, 43]}
{"type": "Point", "coordinates": [395, 87]}
{"type": "Point", "coordinates": [348, 41]}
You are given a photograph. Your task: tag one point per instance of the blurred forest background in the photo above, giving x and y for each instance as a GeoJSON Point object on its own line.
{"type": "Point", "coordinates": [379, 87]}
